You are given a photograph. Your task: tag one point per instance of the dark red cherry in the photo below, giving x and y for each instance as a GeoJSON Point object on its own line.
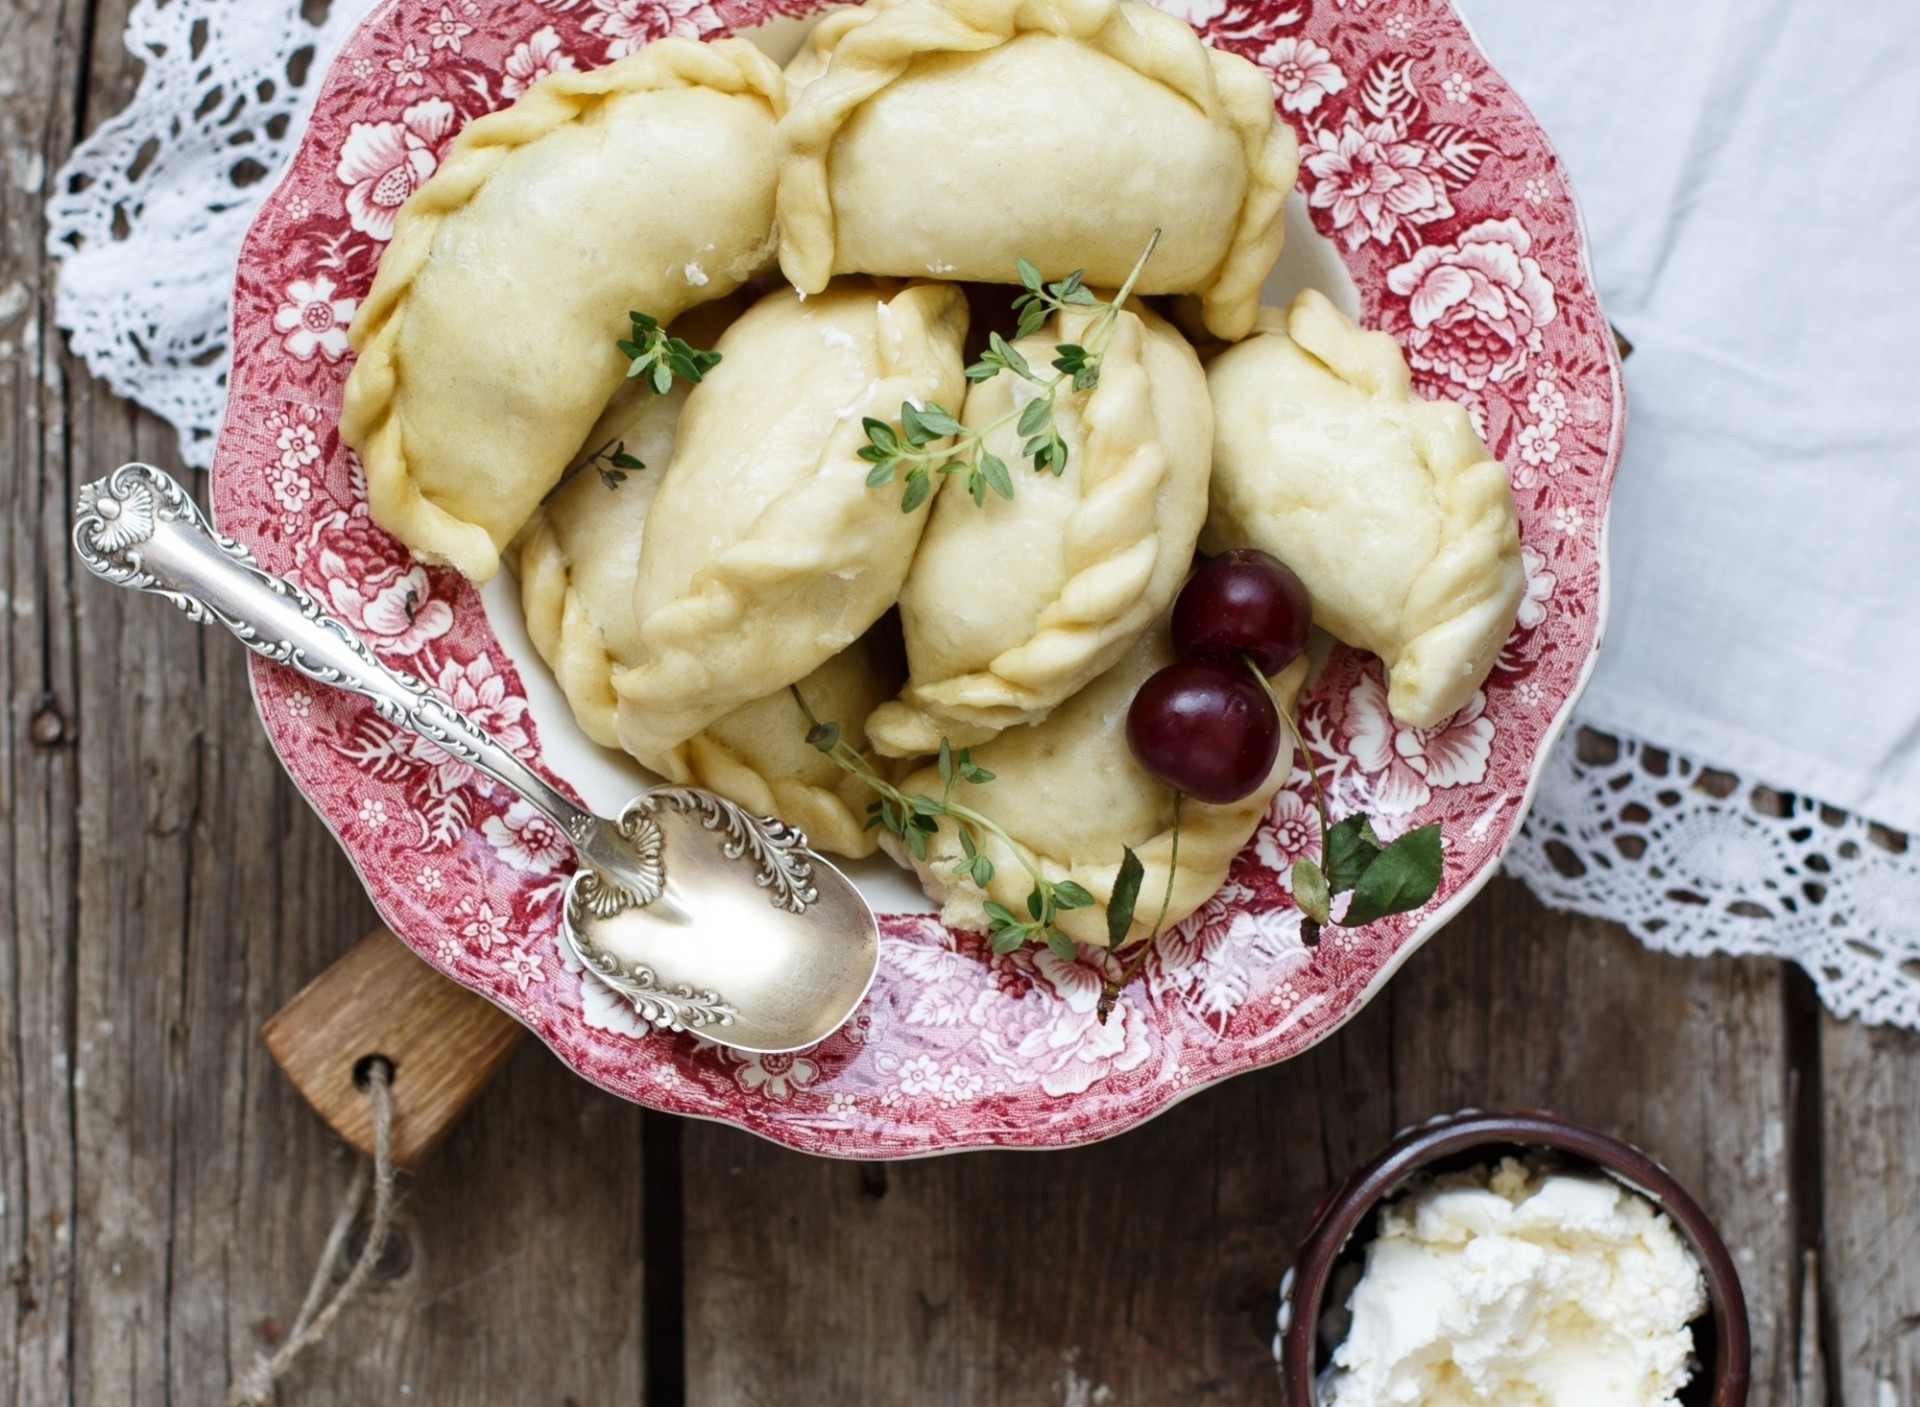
{"type": "Point", "coordinates": [1206, 729]}
{"type": "Point", "coordinates": [1243, 600]}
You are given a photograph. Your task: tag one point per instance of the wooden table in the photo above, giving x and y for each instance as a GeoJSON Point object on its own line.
{"type": "Point", "coordinates": [163, 1192]}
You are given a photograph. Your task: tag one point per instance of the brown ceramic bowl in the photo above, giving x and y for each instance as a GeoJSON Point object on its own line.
{"type": "Point", "coordinates": [1460, 1140]}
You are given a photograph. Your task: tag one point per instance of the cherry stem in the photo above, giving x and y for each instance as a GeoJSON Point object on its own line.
{"type": "Point", "coordinates": [1306, 758]}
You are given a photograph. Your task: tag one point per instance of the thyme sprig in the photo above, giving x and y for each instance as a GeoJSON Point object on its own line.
{"type": "Point", "coordinates": [912, 818]}
{"type": "Point", "coordinates": [651, 353]}
{"type": "Point", "coordinates": [611, 461]}
{"type": "Point", "coordinates": [928, 440]}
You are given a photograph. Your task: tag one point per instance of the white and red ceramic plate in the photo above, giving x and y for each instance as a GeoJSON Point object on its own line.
{"type": "Point", "coordinates": [1437, 209]}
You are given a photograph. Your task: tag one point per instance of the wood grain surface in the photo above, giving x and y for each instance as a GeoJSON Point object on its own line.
{"type": "Point", "coordinates": [442, 1046]}
{"type": "Point", "coordinates": [164, 1191]}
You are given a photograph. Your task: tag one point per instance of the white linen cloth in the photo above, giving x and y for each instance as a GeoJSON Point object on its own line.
{"type": "Point", "coordinates": [1749, 180]}
{"type": "Point", "coordinates": [1750, 188]}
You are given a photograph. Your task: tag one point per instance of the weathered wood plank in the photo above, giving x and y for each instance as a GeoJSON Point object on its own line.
{"type": "Point", "coordinates": [1871, 1257]}
{"type": "Point", "coordinates": [40, 63]}
{"type": "Point", "coordinates": [165, 1191]}
{"type": "Point", "coordinates": [1143, 1270]}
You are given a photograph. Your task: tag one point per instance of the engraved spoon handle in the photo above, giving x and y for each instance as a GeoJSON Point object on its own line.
{"type": "Point", "coordinates": [138, 528]}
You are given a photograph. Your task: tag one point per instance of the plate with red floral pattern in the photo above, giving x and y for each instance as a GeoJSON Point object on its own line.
{"type": "Point", "coordinates": [1430, 204]}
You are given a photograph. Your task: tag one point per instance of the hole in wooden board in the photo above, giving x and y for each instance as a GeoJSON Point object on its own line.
{"type": "Point", "coordinates": [363, 1069]}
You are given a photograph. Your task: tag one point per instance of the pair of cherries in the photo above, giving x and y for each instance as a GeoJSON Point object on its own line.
{"type": "Point", "coordinates": [1204, 725]}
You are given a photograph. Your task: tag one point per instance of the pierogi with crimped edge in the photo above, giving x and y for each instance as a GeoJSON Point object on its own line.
{"type": "Point", "coordinates": [487, 343]}
{"type": "Point", "coordinates": [1070, 794]}
{"type": "Point", "coordinates": [1396, 516]}
{"type": "Point", "coordinates": [577, 562]}
{"type": "Point", "coordinates": [1012, 605]}
{"type": "Point", "coordinates": [951, 137]}
{"type": "Point", "coordinates": [765, 551]}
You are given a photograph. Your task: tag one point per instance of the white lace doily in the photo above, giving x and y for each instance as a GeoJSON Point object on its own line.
{"type": "Point", "coordinates": [147, 216]}
{"type": "Point", "coordinates": [147, 220]}
{"type": "Point", "coordinates": [1696, 861]}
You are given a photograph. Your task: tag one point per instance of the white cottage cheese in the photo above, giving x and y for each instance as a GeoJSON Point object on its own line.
{"type": "Point", "coordinates": [1523, 1289]}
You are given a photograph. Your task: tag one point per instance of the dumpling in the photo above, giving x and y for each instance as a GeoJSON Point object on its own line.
{"type": "Point", "coordinates": [578, 560]}
{"type": "Point", "coordinates": [952, 136]}
{"type": "Point", "coordinates": [759, 756]}
{"type": "Point", "coordinates": [1013, 605]}
{"type": "Point", "coordinates": [1395, 515]}
{"type": "Point", "coordinates": [487, 343]}
{"type": "Point", "coordinates": [765, 552]}
{"type": "Point", "coordinates": [1071, 795]}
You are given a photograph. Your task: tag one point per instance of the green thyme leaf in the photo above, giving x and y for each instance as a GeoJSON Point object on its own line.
{"type": "Point", "coordinates": [1061, 945]}
{"type": "Point", "coordinates": [946, 763]}
{"type": "Point", "coordinates": [938, 421]}
{"type": "Point", "coordinates": [1003, 351]}
{"type": "Point", "coordinates": [914, 428]}
{"type": "Point", "coordinates": [660, 358]}
{"type": "Point", "coordinates": [625, 460]}
{"type": "Point", "coordinates": [1126, 893]}
{"type": "Point", "coordinates": [1037, 416]}
{"type": "Point", "coordinates": [882, 471]}
{"type": "Point", "coordinates": [1402, 877]}
{"type": "Point", "coordinates": [613, 478]}
{"type": "Point", "coordinates": [1068, 895]}
{"type": "Point", "coordinates": [919, 485]}
{"type": "Point", "coordinates": [1029, 276]}
{"type": "Point", "coordinates": [993, 472]}
{"type": "Point", "coordinates": [881, 435]}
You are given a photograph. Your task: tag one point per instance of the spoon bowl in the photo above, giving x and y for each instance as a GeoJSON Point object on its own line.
{"type": "Point", "coordinates": [700, 915]}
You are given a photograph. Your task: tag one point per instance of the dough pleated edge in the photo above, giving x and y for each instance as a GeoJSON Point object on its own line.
{"type": "Point", "coordinates": [1210, 839]}
{"type": "Point", "coordinates": [1113, 545]}
{"type": "Point", "coordinates": [876, 46]}
{"type": "Point", "coordinates": [368, 418]}
{"type": "Point", "coordinates": [673, 694]}
{"type": "Point", "coordinates": [1471, 589]}
{"type": "Point", "coordinates": [832, 817]}
{"type": "Point", "coordinates": [563, 632]}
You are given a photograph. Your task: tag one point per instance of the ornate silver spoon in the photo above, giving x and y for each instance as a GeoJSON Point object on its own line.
{"type": "Point", "coordinates": [704, 917]}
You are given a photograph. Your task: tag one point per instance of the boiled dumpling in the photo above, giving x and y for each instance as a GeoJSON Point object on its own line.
{"type": "Point", "coordinates": [765, 551]}
{"type": "Point", "coordinates": [1395, 515]}
{"type": "Point", "coordinates": [759, 756]}
{"type": "Point", "coordinates": [578, 560]}
{"type": "Point", "coordinates": [1071, 795]}
{"type": "Point", "coordinates": [952, 136]}
{"type": "Point", "coordinates": [1013, 605]}
{"type": "Point", "coordinates": [487, 343]}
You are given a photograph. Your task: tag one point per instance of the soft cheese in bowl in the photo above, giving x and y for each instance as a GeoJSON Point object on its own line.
{"type": "Point", "coordinates": [1519, 1283]}
{"type": "Point", "coordinates": [1512, 1259]}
